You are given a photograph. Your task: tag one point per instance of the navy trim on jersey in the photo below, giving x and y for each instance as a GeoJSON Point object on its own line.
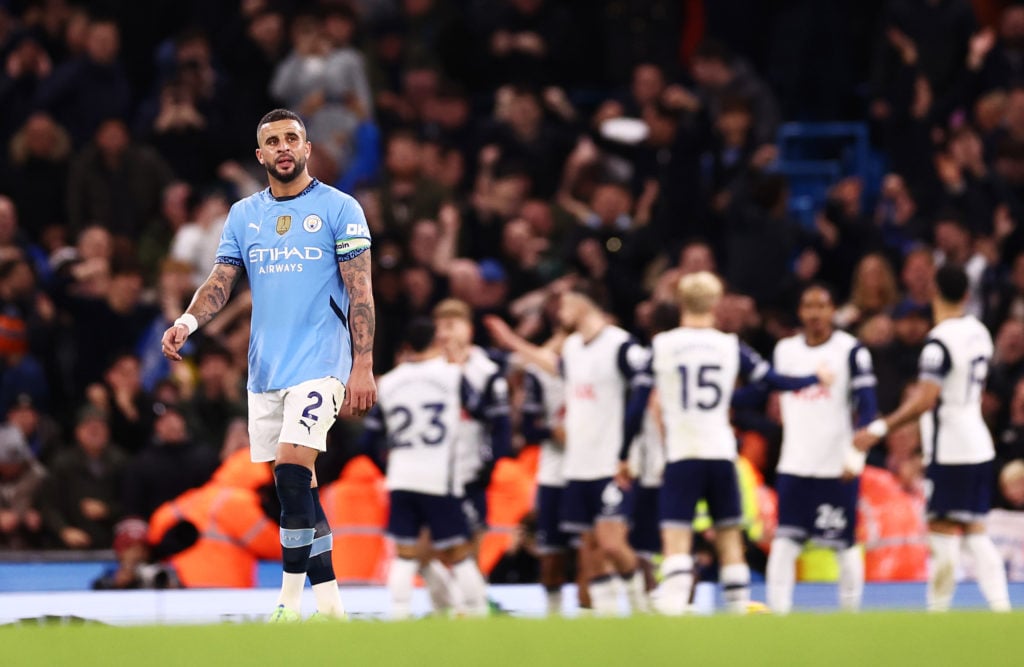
{"type": "Point", "coordinates": [534, 423]}
{"type": "Point", "coordinates": [230, 261]}
{"type": "Point", "coordinates": [312, 184]}
{"type": "Point", "coordinates": [862, 385]}
{"type": "Point", "coordinates": [349, 256]}
{"type": "Point", "coordinates": [935, 430]}
{"type": "Point", "coordinates": [337, 311]}
{"type": "Point", "coordinates": [943, 371]}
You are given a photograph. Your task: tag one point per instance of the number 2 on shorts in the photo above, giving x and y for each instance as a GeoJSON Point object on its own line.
{"type": "Point", "coordinates": [318, 400]}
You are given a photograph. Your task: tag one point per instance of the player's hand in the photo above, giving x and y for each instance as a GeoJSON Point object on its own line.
{"type": "Point", "coordinates": [172, 341]}
{"type": "Point", "coordinates": [624, 476]}
{"type": "Point", "coordinates": [863, 440]}
{"type": "Point", "coordinates": [75, 538]}
{"type": "Point", "coordinates": [93, 509]}
{"type": "Point", "coordinates": [361, 393]}
{"type": "Point", "coordinates": [825, 375]}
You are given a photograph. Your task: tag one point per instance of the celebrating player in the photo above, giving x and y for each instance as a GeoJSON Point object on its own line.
{"type": "Point", "coordinates": [695, 370]}
{"type": "Point", "coordinates": [306, 249]}
{"type": "Point", "coordinates": [602, 365]}
{"type": "Point", "coordinates": [947, 398]}
{"type": "Point", "coordinates": [420, 408]}
{"type": "Point", "coordinates": [819, 468]}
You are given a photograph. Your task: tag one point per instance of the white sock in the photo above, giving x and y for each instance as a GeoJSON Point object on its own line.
{"type": "Point", "coordinates": [851, 578]}
{"type": "Point", "coordinates": [735, 587]}
{"type": "Point", "coordinates": [554, 601]}
{"type": "Point", "coordinates": [400, 582]}
{"type": "Point", "coordinates": [292, 584]}
{"type": "Point", "coordinates": [471, 586]}
{"type": "Point", "coordinates": [942, 574]}
{"type": "Point", "coordinates": [672, 597]}
{"type": "Point", "coordinates": [636, 592]}
{"type": "Point", "coordinates": [990, 571]}
{"type": "Point", "coordinates": [781, 574]}
{"type": "Point", "coordinates": [604, 598]}
{"type": "Point", "coordinates": [328, 599]}
{"type": "Point", "coordinates": [439, 584]}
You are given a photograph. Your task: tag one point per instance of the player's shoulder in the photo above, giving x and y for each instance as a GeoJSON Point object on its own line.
{"type": "Point", "coordinates": [617, 335]}
{"type": "Point", "coordinates": [790, 344]}
{"type": "Point", "coordinates": [330, 193]}
{"type": "Point", "coordinates": [253, 202]}
{"type": "Point", "coordinates": [479, 358]}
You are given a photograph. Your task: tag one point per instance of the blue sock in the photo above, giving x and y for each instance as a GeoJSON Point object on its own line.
{"type": "Point", "coordinates": [297, 515]}
{"type": "Point", "coordinates": [320, 569]}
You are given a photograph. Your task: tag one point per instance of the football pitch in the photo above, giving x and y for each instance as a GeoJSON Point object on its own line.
{"type": "Point", "coordinates": [870, 639]}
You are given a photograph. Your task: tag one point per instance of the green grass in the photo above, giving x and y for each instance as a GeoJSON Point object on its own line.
{"type": "Point", "coordinates": [870, 639]}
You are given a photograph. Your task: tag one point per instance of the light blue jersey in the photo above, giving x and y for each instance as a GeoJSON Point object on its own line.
{"type": "Point", "coordinates": [290, 247]}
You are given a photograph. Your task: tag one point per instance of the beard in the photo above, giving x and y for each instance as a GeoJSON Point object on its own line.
{"type": "Point", "coordinates": [298, 166]}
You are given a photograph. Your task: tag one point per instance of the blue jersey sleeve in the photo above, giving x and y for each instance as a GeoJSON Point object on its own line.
{"type": "Point", "coordinates": [934, 363]}
{"type": "Point", "coordinates": [534, 423]}
{"type": "Point", "coordinates": [754, 369]}
{"type": "Point", "coordinates": [635, 366]}
{"type": "Point", "coordinates": [351, 233]}
{"type": "Point", "coordinates": [862, 386]}
{"type": "Point", "coordinates": [229, 251]}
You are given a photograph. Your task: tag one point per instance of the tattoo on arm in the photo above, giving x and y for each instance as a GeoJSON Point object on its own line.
{"type": "Point", "coordinates": [361, 316]}
{"type": "Point", "coordinates": [214, 293]}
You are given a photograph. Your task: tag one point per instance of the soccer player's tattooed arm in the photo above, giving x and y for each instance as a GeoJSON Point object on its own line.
{"type": "Point", "coordinates": [211, 296]}
{"type": "Point", "coordinates": [361, 392]}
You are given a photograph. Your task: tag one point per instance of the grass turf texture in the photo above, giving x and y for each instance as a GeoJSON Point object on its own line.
{"type": "Point", "coordinates": [871, 638]}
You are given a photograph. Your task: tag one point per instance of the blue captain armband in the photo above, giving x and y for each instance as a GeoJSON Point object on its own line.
{"type": "Point", "coordinates": [231, 261]}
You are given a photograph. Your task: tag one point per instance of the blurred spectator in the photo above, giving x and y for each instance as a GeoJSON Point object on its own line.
{"type": "Point", "coordinates": [1002, 387]}
{"type": "Point", "coordinates": [107, 325]}
{"type": "Point", "coordinates": [532, 40]}
{"type": "Point", "coordinates": [84, 270]}
{"type": "Point", "coordinates": [81, 496]}
{"type": "Point", "coordinates": [195, 242]}
{"type": "Point", "coordinates": [1011, 486]}
{"type": "Point", "coordinates": [21, 479]}
{"type": "Point", "coordinates": [1010, 443]}
{"type": "Point", "coordinates": [954, 244]}
{"type": "Point", "coordinates": [40, 430]}
{"type": "Point", "coordinates": [116, 184]}
{"type": "Point", "coordinates": [405, 194]}
{"type": "Point", "coordinates": [169, 465]}
{"type": "Point", "coordinates": [128, 406]}
{"type": "Point", "coordinates": [89, 89]}
{"type": "Point", "coordinates": [40, 153]}
{"type": "Point", "coordinates": [721, 75]}
{"type": "Point", "coordinates": [873, 291]}
{"type": "Point", "coordinates": [896, 363]}
{"type": "Point", "coordinates": [26, 67]}
{"type": "Point", "coordinates": [219, 396]}
{"type": "Point", "coordinates": [317, 80]}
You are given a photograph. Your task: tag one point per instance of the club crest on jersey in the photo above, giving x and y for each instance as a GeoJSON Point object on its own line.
{"type": "Point", "coordinates": [312, 223]}
{"type": "Point", "coordinates": [284, 223]}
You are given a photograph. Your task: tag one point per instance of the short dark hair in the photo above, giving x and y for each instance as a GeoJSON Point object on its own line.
{"type": "Point", "coordinates": [279, 114]}
{"type": "Point", "coordinates": [592, 291]}
{"type": "Point", "coordinates": [419, 335]}
{"type": "Point", "coordinates": [819, 285]}
{"type": "Point", "coordinates": [951, 282]}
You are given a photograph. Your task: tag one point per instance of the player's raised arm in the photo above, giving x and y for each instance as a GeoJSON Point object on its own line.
{"type": "Point", "coordinates": [504, 337]}
{"type": "Point", "coordinates": [207, 302]}
{"type": "Point", "coordinates": [361, 392]}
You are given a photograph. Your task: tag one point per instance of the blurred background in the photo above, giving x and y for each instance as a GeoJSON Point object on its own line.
{"type": "Point", "coordinates": [495, 146]}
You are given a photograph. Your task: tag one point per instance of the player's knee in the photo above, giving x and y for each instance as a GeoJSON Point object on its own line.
{"type": "Point", "coordinates": [407, 551]}
{"type": "Point", "coordinates": [292, 483]}
{"type": "Point", "coordinates": [295, 454]}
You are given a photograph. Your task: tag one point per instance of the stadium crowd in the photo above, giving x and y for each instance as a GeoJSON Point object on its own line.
{"type": "Point", "coordinates": [476, 136]}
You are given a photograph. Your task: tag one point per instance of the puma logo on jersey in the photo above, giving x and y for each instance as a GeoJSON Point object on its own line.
{"type": "Point", "coordinates": [255, 226]}
{"type": "Point", "coordinates": [309, 427]}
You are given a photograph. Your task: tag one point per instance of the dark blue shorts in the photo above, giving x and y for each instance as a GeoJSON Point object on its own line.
{"type": "Point", "coordinates": [474, 505]}
{"type": "Point", "coordinates": [411, 511]}
{"type": "Point", "coordinates": [585, 502]}
{"type": "Point", "coordinates": [687, 481]}
{"type": "Point", "coordinates": [823, 511]}
{"type": "Point", "coordinates": [550, 536]}
{"type": "Point", "coordinates": [645, 534]}
{"type": "Point", "coordinates": [960, 493]}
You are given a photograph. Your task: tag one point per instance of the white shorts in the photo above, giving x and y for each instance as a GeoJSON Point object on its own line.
{"type": "Point", "coordinates": [299, 415]}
